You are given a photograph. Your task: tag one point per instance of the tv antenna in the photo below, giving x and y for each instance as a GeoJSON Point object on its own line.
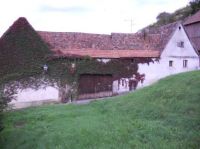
{"type": "Point", "coordinates": [131, 24]}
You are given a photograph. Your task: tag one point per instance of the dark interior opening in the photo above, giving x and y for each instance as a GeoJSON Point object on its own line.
{"type": "Point", "coordinates": [95, 83]}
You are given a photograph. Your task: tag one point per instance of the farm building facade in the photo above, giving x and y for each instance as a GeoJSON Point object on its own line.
{"type": "Point", "coordinates": [140, 59]}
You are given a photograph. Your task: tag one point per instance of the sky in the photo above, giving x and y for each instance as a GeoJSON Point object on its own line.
{"type": "Point", "coordinates": [89, 16]}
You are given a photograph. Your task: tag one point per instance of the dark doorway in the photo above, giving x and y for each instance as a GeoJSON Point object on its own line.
{"type": "Point", "coordinates": [95, 85]}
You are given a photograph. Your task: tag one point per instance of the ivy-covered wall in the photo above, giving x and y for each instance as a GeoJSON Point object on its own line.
{"type": "Point", "coordinates": [23, 54]}
{"type": "Point", "coordinates": [62, 71]}
{"type": "Point", "coordinates": [22, 51]}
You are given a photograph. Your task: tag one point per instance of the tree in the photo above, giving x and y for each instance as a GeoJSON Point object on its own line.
{"type": "Point", "coordinates": [163, 18]}
{"type": "Point", "coordinates": [195, 6]}
{"type": "Point", "coordinates": [3, 104]}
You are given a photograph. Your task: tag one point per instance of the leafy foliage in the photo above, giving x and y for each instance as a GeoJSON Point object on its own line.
{"type": "Point", "coordinates": [195, 6]}
{"type": "Point", "coordinates": [164, 18]}
{"type": "Point", "coordinates": [60, 70]}
{"type": "Point", "coordinates": [3, 105]}
{"type": "Point", "coordinates": [22, 51]}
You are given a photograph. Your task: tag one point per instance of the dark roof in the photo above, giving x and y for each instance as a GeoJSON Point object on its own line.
{"type": "Point", "coordinates": [196, 43]}
{"type": "Point", "coordinates": [193, 19]}
{"type": "Point", "coordinates": [192, 28]}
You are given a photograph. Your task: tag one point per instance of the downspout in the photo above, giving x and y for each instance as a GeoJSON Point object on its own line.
{"type": "Point", "coordinates": [199, 62]}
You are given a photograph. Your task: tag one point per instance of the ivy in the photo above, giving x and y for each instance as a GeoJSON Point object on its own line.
{"type": "Point", "coordinates": [61, 71]}
{"type": "Point", "coordinates": [23, 53]}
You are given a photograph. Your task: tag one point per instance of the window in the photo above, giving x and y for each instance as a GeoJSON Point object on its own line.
{"type": "Point", "coordinates": [170, 63]}
{"type": "Point", "coordinates": [180, 44]}
{"type": "Point", "coordinates": [185, 63]}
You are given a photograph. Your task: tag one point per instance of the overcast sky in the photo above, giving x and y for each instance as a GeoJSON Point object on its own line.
{"type": "Point", "coordinates": [92, 16]}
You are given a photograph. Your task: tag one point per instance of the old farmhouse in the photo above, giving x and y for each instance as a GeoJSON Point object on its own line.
{"type": "Point", "coordinates": [159, 52]}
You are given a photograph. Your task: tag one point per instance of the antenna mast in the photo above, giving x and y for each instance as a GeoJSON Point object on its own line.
{"type": "Point", "coordinates": [131, 23]}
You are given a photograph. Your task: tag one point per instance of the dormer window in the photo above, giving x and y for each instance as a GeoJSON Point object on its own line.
{"type": "Point", "coordinates": [180, 44]}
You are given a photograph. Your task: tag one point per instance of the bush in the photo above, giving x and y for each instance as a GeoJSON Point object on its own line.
{"type": "Point", "coordinates": [3, 105]}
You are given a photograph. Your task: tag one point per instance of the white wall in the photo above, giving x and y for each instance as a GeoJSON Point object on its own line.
{"type": "Point", "coordinates": [29, 96]}
{"type": "Point", "coordinates": [121, 86]}
{"type": "Point", "coordinates": [172, 52]}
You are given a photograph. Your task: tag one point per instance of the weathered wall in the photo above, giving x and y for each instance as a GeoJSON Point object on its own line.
{"type": "Point", "coordinates": [30, 97]}
{"type": "Point", "coordinates": [172, 52]}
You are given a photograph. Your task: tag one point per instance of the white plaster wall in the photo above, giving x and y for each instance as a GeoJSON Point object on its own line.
{"type": "Point", "coordinates": [26, 96]}
{"type": "Point", "coordinates": [121, 87]}
{"type": "Point", "coordinates": [115, 86]}
{"type": "Point", "coordinates": [157, 70]}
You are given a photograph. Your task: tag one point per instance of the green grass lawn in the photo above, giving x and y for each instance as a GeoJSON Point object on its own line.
{"type": "Point", "coordinates": [163, 116]}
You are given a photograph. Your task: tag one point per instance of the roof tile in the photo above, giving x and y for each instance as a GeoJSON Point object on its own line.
{"type": "Point", "coordinates": [193, 19]}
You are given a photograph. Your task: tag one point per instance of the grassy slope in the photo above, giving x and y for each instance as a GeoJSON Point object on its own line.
{"type": "Point", "coordinates": [165, 115]}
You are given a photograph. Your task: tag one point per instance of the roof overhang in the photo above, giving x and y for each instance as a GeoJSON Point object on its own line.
{"type": "Point", "coordinates": [108, 54]}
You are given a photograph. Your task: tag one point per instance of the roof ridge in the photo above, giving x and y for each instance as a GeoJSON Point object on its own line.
{"type": "Point", "coordinates": [70, 32]}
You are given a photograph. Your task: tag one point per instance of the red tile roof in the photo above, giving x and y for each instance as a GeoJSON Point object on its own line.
{"type": "Point", "coordinates": [193, 19]}
{"type": "Point", "coordinates": [108, 53]}
{"type": "Point", "coordinates": [153, 39]}
{"type": "Point", "coordinates": [148, 43]}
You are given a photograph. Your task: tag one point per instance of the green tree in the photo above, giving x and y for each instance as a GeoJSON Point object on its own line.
{"type": "Point", "coordinates": [163, 16]}
{"type": "Point", "coordinates": [195, 6]}
{"type": "Point", "coordinates": [3, 105]}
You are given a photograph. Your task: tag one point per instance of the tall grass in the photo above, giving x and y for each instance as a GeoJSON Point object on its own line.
{"type": "Point", "coordinates": [163, 116]}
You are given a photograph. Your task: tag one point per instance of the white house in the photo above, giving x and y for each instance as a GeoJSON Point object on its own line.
{"type": "Point", "coordinates": [169, 46]}
{"type": "Point", "coordinates": [177, 56]}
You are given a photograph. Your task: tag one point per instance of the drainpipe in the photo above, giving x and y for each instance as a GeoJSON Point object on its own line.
{"type": "Point", "coordinates": [199, 62]}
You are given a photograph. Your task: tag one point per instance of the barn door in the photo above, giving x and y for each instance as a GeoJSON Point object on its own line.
{"type": "Point", "coordinates": [94, 86]}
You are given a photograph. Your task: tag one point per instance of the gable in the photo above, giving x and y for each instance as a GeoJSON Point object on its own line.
{"type": "Point", "coordinates": [175, 48]}
{"type": "Point", "coordinates": [21, 48]}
